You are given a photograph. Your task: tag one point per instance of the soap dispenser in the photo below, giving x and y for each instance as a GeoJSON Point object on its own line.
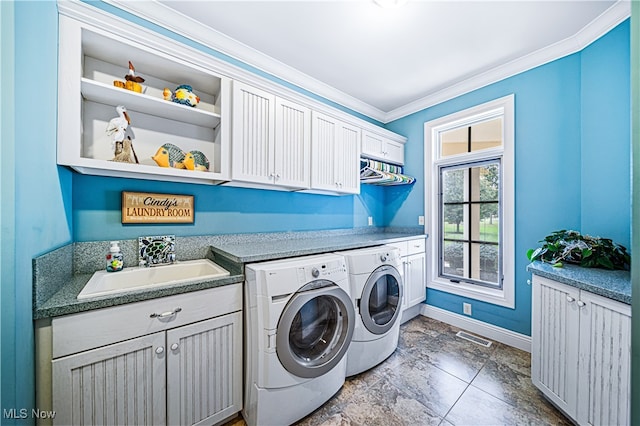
{"type": "Point", "coordinates": [114, 258]}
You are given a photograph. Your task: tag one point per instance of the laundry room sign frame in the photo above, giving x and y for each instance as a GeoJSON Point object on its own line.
{"type": "Point", "coordinates": [146, 207]}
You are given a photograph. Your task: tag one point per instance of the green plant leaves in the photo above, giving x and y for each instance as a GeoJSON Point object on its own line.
{"type": "Point", "coordinates": [584, 250]}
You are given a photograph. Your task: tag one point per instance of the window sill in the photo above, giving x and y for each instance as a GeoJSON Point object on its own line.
{"type": "Point", "coordinates": [495, 297]}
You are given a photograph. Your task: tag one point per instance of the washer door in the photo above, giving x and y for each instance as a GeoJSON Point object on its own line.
{"type": "Point", "coordinates": [381, 300]}
{"type": "Point", "coordinates": [315, 329]}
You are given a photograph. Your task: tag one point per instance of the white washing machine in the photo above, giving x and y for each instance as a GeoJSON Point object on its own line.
{"type": "Point", "coordinates": [299, 324]}
{"type": "Point", "coordinates": [376, 289]}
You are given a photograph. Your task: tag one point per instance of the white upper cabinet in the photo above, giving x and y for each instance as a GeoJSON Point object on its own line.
{"type": "Point", "coordinates": [335, 153]}
{"type": "Point", "coordinates": [91, 60]}
{"type": "Point", "coordinates": [250, 136]}
{"type": "Point", "coordinates": [271, 139]}
{"type": "Point", "coordinates": [382, 148]}
{"type": "Point", "coordinates": [293, 144]}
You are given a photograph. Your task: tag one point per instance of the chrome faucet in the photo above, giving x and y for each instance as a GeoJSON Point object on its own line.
{"type": "Point", "coordinates": [156, 251]}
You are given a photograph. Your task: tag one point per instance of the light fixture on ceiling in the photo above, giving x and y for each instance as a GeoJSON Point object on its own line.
{"type": "Point", "coordinates": [390, 4]}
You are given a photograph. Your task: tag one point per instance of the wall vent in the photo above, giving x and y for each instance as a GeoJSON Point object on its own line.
{"type": "Point", "coordinates": [475, 339]}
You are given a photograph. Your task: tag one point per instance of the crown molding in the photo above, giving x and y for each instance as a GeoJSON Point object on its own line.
{"type": "Point", "coordinates": [604, 23]}
{"type": "Point", "coordinates": [161, 15]}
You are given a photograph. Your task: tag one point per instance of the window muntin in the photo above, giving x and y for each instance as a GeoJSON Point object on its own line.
{"type": "Point", "coordinates": [470, 232]}
{"type": "Point", "coordinates": [480, 136]}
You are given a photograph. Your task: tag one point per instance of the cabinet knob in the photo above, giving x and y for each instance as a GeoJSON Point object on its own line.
{"type": "Point", "coordinates": [175, 346]}
{"type": "Point", "coordinates": [570, 299]}
{"type": "Point", "coordinates": [159, 350]}
{"type": "Point", "coordinates": [277, 176]}
{"type": "Point", "coordinates": [580, 303]}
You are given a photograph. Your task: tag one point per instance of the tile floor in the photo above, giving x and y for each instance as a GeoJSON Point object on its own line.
{"type": "Point", "coordinates": [436, 378]}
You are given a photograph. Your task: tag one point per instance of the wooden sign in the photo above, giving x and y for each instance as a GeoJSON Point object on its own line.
{"type": "Point", "coordinates": [143, 207]}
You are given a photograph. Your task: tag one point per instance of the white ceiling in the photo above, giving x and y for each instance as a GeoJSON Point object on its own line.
{"type": "Point", "coordinates": [386, 63]}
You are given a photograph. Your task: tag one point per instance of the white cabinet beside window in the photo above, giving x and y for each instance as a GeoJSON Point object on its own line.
{"type": "Point", "coordinates": [271, 139]}
{"type": "Point", "coordinates": [414, 273]}
{"type": "Point", "coordinates": [335, 153]}
{"type": "Point", "coordinates": [581, 351]}
{"type": "Point", "coordinates": [121, 365]}
{"type": "Point", "coordinates": [381, 148]}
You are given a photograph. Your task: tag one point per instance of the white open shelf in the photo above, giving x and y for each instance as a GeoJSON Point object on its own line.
{"type": "Point", "coordinates": [111, 95]}
{"type": "Point", "coordinates": [91, 59]}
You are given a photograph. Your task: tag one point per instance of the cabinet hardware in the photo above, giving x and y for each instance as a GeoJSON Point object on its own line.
{"type": "Point", "coordinates": [580, 303]}
{"type": "Point", "coordinates": [570, 299]}
{"type": "Point", "coordinates": [165, 314]}
{"type": "Point", "coordinates": [159, 350]}
{"type": "Point", "coordinates": [175, 346]}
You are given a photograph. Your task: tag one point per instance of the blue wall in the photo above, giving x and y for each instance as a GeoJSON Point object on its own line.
{"type": "Point", "coordinates": [219, 209]}
{"type": "Point", "coordinates": [571, 121]}
{"type": "Point", "coordinates": [606, 127]}
{"type": "Point", "coordinates": [42, 189]}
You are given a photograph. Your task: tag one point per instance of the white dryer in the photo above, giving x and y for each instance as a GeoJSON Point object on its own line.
{"type": "Point", "coordinates": [376, 290]}
{"type": "Point", "coordinates": [299, 324]}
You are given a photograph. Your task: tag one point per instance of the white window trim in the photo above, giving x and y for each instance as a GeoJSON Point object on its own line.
{"type": "Point", "coordinates": [505, 106]}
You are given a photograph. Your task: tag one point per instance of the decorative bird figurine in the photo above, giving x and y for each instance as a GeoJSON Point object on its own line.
{"type": "Point", "coordinates": [196, 160]}
{"type": "Point", "coordinates": [131, 76]}
{"type": "Point", "coordinates": [117, 126]}
{"type": "Point", "coordinates": [169, 155]}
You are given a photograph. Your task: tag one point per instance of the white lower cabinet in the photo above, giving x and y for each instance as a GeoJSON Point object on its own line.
{"type": "Point", "coordinates": [204, 371]}
{"type": "Point", "coordinates": [123, 383]}
{"type": "Point", "coordinates": [184, 375]}
{"type": "Point", "coordinates": [414, 271]}
{"type": "Point", "coordinates": [581, 351]}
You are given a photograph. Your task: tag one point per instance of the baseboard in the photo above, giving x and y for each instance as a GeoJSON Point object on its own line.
{"type": "Point", "coordinates": [410, 313]}
{"type": "Point", "coordinates": [480, 328]}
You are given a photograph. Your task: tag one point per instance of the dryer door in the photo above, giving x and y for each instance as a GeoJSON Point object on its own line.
{"type": "Point", "coordinates": [315, 329]}
{"type": "Point", "coordinates": [381, 301]}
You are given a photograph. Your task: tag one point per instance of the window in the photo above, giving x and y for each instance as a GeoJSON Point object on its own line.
{"type": "Point", "coordinates": [470, 202]}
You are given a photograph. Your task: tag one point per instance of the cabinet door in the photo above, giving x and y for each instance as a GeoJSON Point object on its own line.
{"type": "Point", "coordinates": [381, 148]}
{"type": "Point", "coordinates": [347, 159]}
{"type": "Point", "coordinates": [292, 144]}
{"type": "Point", "coordinates": [204, 371]}
{"type": "Point", "coordinates": [394, 152]}
{"type": "Point", "coordinates": [323, 146]}
{"type": "Point", "coordinates": [372, 145]}
{"type": "Point", "coordinates": [604, 366]}
{"type": "Point", "coordinates": [415, 278]}
{"type": "Point", "coordinates": [554, 342]}
{"type": "Point", "coordinates": [335, 155]}
{"type": "Point", "coordinates": [119, 384]}
{"type": "Point", "coordinates": [253, 134]}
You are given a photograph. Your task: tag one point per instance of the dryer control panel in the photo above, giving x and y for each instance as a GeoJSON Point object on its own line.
{"type": "Point", "coordinates": [332, 271]}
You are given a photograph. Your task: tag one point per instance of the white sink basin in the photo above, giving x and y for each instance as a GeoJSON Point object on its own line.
{"type": "Point", "coordinates": [104, 283]}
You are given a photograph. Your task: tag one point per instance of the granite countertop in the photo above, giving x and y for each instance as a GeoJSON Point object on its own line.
{"type": "Point", "coordinates": [56, 288]}
{"type": "Point", "coordinates": [65, 301]}
{"type": "Point", "coordinates": [614, 285]}
{"type": "Point", "coordinates": [260, 250]}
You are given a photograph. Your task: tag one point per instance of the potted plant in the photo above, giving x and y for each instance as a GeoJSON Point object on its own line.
{"type": "Point", "coordinates": [584, 250]}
